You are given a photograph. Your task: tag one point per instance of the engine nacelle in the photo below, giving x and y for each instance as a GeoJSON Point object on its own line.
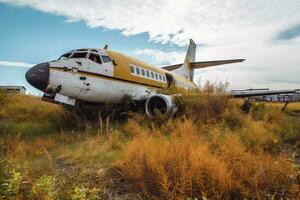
{"type": "Point", "coordinates": [160, 103]}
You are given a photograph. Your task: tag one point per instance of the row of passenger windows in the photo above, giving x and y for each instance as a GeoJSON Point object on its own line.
{"type": "Point", "coordinates": [135, 70]}
{"type": "Point", "coordinates": [92, 56]}
{"type": "Point", "coordinates": [182, 84]}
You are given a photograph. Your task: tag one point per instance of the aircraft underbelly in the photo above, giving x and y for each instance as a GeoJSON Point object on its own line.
{"type": "Point", "coordinates": [94, 89]}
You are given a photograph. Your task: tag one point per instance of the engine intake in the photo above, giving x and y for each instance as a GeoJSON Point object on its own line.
{"type": "Point", "coordinates": [160, 104]}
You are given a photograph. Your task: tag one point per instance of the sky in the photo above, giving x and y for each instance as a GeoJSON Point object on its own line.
{"type": "Point", "coordinates": [265, 33]}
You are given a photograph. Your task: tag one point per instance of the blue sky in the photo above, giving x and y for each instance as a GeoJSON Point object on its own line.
{"type": "Point", "coordinates": [265, 33]}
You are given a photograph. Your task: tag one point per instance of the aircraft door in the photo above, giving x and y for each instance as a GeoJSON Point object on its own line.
{"type": "Point", "coordinates": [170, 80]}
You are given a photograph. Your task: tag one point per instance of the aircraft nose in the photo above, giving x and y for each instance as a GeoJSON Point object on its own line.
{"type": "Point", "coordinates": [38, 76]}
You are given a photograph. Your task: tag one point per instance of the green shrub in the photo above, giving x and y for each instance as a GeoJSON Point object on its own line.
{"type": "Point", "coordinates": [11, 186]}
{"type": "Point", "coordinates": [258, 111]}
{"type": "Point", "coordinates": [44, 188]}
{"type": "Point", "coordinates": [82, 193]}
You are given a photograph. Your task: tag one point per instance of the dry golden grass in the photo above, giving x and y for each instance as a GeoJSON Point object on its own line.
{"type": "Point", "coordinates": [294, 106]}
{"type": "Point", "coordinates": [203, 106]}
{"type": "Point", "coordinates": [27, 108]}
{"type": "Point", "coordinates": [186, 165]}
{"type": "Point", "coordinates": [29, 115]}
{"type": "Point", "coordinates": [90, 151]}
{"type": "Point", "coordinates": [176, 168]}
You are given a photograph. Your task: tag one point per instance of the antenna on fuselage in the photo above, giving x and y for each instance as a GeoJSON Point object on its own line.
{"type": "Point", "coordinates": [105, 47]}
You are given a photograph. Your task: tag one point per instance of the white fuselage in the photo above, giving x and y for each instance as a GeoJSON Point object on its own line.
{"type": "Point", "coordinates": [94, 88]}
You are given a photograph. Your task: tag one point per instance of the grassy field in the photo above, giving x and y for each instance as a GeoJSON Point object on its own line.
{"type": "Point", "coordinates": [214, 149]}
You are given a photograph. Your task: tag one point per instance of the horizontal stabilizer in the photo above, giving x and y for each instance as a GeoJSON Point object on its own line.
{"type": "Point", "coordinates": [172, 67]}
{"type": "Point", "coordinates": [198, 65]}
{"type": "Point", "coordinates": [204, 64]}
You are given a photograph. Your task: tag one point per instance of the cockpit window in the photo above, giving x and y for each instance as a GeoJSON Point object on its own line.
{"type": "Point", "coordinates": [67, 55]}
{"type": "Point", "coordinates": [82, 50]}
{"type": "Point", "coordinates": [95, 58]}
{"type": "Point", "coordinates": [79, 55]}
{"type": "Point", "coordinates": [106, 59]}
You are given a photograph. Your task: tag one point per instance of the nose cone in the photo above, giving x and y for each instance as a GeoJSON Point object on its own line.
{"type": "Point", "coordinates": [38, 76]}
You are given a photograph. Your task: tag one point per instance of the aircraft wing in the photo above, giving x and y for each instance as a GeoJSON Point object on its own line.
{"type": "Point", "coordinates": [204, 64]}
{"type": "Point", "coordinates": [249, 93]}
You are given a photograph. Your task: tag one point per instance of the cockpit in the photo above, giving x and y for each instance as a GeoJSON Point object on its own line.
{"type": "Point", "coordinates": [91, 54]}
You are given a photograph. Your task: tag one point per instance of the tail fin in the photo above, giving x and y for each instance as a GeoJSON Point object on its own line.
{"type": "Point", "coordinates": [191, 52]}
{"type": "Point", "coordinates": [189, 58]}
{"type": "Point", "coordinates": [186, 69]}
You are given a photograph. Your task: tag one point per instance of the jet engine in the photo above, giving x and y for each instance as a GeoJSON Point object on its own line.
{"type": "Point", "coordinates": [160, 105]}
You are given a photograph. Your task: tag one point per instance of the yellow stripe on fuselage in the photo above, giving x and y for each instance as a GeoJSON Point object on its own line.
{"type": "Point", "coordinates": [122, 70]}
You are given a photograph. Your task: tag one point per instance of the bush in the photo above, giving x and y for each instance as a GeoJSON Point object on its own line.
{"type": "Point", "coordinates": [202, 106]}
{"type": "Point", "coordinates": [12, 185]}
{"type": "Point", "coordinates": [285, 127]}
{"type": "Point", "coordinates": [44, 188]}
{"type": "Point", "coordinates": [174, 169]}
{"type": "Point", "coordinates": [82, 193]}
{"type": "Point", "coordinates": [187, 164]}
{"type": "Point", "coordinates": [234, 119]}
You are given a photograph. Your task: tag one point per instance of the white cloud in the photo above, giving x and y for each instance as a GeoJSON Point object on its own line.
{"type": "Point", "coordinates": [211, 22]}
{"type": "Point", "coordinates": [161, 57]}
{"type": "Point", "coordinates": [229, 28]}
{"type": "Point", "coordinates": [16, 64]}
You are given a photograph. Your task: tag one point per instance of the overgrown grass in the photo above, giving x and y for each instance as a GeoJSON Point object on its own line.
{"type": "Point", "coordinates": [29, 115]}
{"type": "Point", "coordinates": [212, 149]}
{"type": "Point", "coordinates": [182, 167]}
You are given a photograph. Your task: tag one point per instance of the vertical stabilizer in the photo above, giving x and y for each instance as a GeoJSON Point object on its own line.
{"type": "Point", "coordinates": [190, 57]}
{"type": "Point", "coordinates": [186, 69]}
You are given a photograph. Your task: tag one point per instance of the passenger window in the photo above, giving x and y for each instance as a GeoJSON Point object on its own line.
{"type": "Point", "coordinates": [79, 55]}
{"type": "Point", "coordinates": [164, 78]}
{"type": "Point", "coordinates": [156, 76]}
{"type": "Point", "coordinates": [152, 75]}
{"type": "Point", "coordinates": [132, 69]}
{"type": "Point", "coordinates": [95, 58]}
{"type": "Point", "coordinates": [106, 59]}
{"type": "Point", "coordinates": [148, 74]}
{"type": "Point", "coordinates": [143, 72]}
{"type": "Point", "coordinates": [160, 78]}
{"type": "Point", "coordinates": [137, 70]}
